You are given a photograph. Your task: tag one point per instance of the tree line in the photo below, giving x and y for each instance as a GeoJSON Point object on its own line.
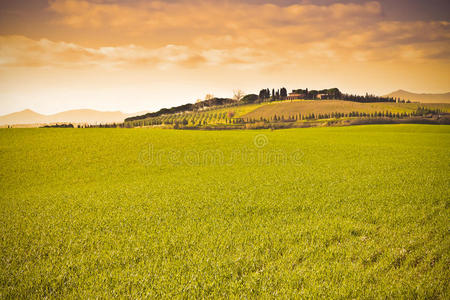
{"type": "Point", "coordinates": [332, 115]}
{"type": "Point", "coordinates": [326, 94]}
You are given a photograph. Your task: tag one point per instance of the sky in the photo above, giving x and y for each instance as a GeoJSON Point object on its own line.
{"type": "Point", "coordinates": [135, 55]}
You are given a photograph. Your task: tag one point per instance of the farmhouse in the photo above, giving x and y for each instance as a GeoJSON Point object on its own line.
{"type": "Point", "coordinates": [295, 96]}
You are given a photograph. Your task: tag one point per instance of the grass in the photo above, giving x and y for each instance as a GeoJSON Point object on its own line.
{"type": "Point", "coordinates": [240, 110]}
{"type": "Point", "coordinates": [350, 212]}
{"type": "Point", "coordinates": [288, 108]}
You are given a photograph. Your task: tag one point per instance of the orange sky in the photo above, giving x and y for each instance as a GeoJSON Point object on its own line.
{"type": "Point", "coordinates": [143, 55]}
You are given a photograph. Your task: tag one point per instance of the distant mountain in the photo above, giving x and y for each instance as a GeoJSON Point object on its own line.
{"type": "Point", "coordinates": [424, 98]}
{"type": "Point", "coordinates": [26, 116]}
{"type": "Point", "coordinates": [71, 116]}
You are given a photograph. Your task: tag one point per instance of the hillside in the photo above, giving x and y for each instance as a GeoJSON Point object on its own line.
{"type": "Point", "coordinates": [424, 98]}
{"type": "Point", "coordinates": [305, 107]}
{"type": "Point", "coordinates": [264, 97]}
{"type": "Point", "coordinates": [300, 113]}
{"type": "Point", "coordinates": [71, 116]}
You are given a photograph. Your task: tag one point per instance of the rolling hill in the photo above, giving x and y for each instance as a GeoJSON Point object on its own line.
{"type": "Point", "coordinates": [288, 108]}
{"type": "Point", "coordinates": [424, 98]}
{"type": "Point", "coordinates": [71, 116]}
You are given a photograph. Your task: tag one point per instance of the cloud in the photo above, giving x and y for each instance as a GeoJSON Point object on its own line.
{"type": "Point", "coordinates": [226, 16]}
{"type": "Point", "coordinates": [330, 29]}
{"type": "Point", "coordinates": [19, 51]}
{"type": "Point", "coordinates": [243, 35]}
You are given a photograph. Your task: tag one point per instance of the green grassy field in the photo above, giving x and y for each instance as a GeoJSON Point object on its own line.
{"type": "Point", "coordinates": [347, 212]}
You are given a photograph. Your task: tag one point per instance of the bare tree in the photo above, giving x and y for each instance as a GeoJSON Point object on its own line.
{"type": "Point", "coordinates": [238, 95]}
{"type": "Point", "coordinates": [209, 97]}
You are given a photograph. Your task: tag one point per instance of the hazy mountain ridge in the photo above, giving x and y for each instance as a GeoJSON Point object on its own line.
{"type": "Point", "coordinates": [88, 116]}
{"type": "Point", "coordinates": [423, 97]}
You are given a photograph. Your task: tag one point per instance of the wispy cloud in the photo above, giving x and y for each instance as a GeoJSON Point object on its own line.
{"type": "Point", "coordinates": [19, 51]}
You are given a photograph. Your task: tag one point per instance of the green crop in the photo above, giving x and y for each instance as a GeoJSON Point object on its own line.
{"type": "Point", "coordinates": [349, 212]}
